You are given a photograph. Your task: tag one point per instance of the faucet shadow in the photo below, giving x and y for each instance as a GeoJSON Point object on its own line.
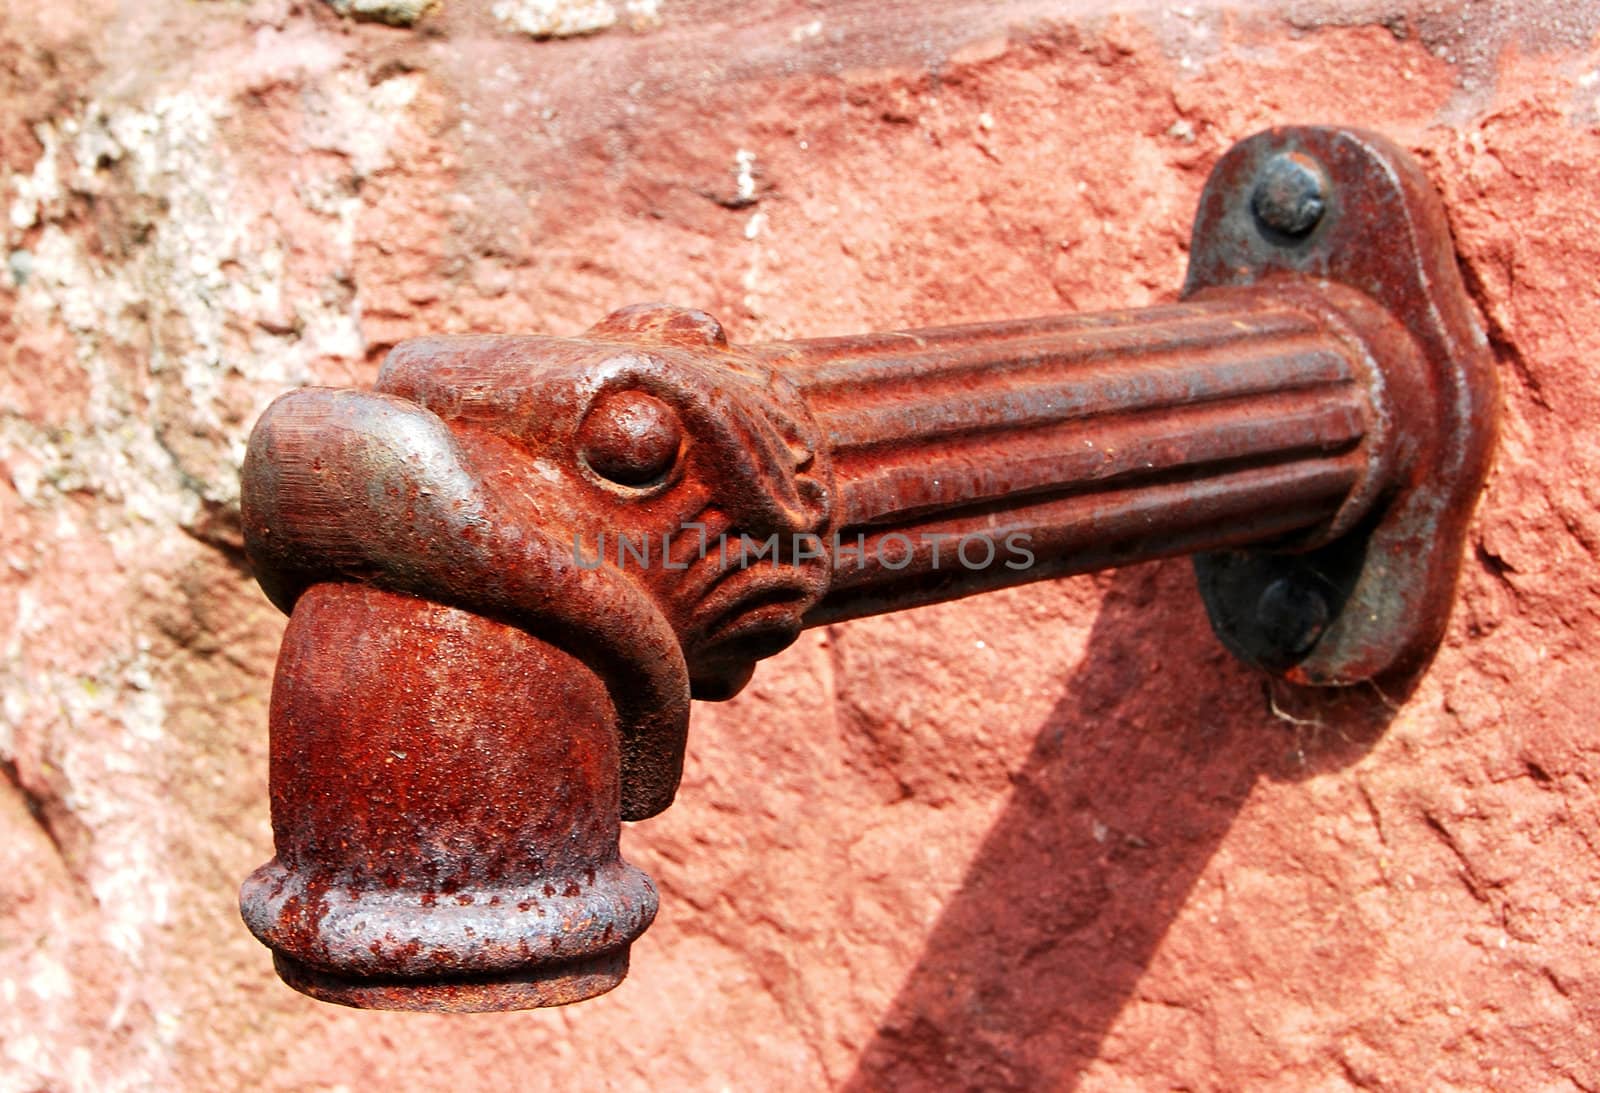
{"type": "Point", "coordinates": [1134, 780]}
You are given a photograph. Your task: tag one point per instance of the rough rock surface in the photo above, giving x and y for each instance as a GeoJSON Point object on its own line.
{"type": "Point", "coordinates": [1051, 838]}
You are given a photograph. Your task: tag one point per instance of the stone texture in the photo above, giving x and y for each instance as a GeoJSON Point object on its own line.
{"type": "Point", "coordinates": [398, 13]}
{"type": "Point", "coordinates": [555, 18]}
{"type": "Point", "coordinates": [1049, 838]}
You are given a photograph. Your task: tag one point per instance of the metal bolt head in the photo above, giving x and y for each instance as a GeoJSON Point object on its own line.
{"type": "Point", "coordinates": [1290, 195]}
{"type": "Point", "coordinates": [1292, 615]}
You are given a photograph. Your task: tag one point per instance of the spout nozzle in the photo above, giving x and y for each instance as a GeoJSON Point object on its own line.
{"type": "Point", "coordinates": [550, 985]}
{"type": "Point", "coordinates": [446, 810]}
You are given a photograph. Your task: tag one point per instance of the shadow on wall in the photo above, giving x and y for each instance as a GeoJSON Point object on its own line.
{"type": "Point", "coordinates": [1135, 778]}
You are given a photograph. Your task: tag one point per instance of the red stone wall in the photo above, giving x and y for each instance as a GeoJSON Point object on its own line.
{"type": "Point", "coordinates": [1050, 838]}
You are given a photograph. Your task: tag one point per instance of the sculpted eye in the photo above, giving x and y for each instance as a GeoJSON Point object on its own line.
{"type": "Point", "coordinates": [630, 438]}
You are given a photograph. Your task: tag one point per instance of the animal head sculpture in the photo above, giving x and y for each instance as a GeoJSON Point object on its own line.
{"type": "Point", "coordinates": [602, 493]}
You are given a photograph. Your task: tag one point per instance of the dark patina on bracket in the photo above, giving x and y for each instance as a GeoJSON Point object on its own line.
{"type": "Point", "coordinates": [510, 567]}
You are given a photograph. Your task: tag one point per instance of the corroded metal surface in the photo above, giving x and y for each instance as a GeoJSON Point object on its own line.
{"type": "Point", "coordinates": [419, 832]}
{"type": "Point", "coordinates": [1387, 591]}
{"type": "Point", "coordinates": [1096, 440]}
{"type": "Point", "coordinates": [511, 566]}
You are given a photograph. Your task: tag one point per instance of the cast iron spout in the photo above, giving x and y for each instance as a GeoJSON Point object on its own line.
{"type": "Point", "coordinates": [510, 567]}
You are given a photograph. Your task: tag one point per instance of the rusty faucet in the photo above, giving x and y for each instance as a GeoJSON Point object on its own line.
{"type": "Point", "coordinates": [510, 567]}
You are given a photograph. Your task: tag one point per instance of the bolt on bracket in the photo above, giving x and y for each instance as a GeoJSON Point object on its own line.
{"type": "Point", "coordinates": [510, 567]}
